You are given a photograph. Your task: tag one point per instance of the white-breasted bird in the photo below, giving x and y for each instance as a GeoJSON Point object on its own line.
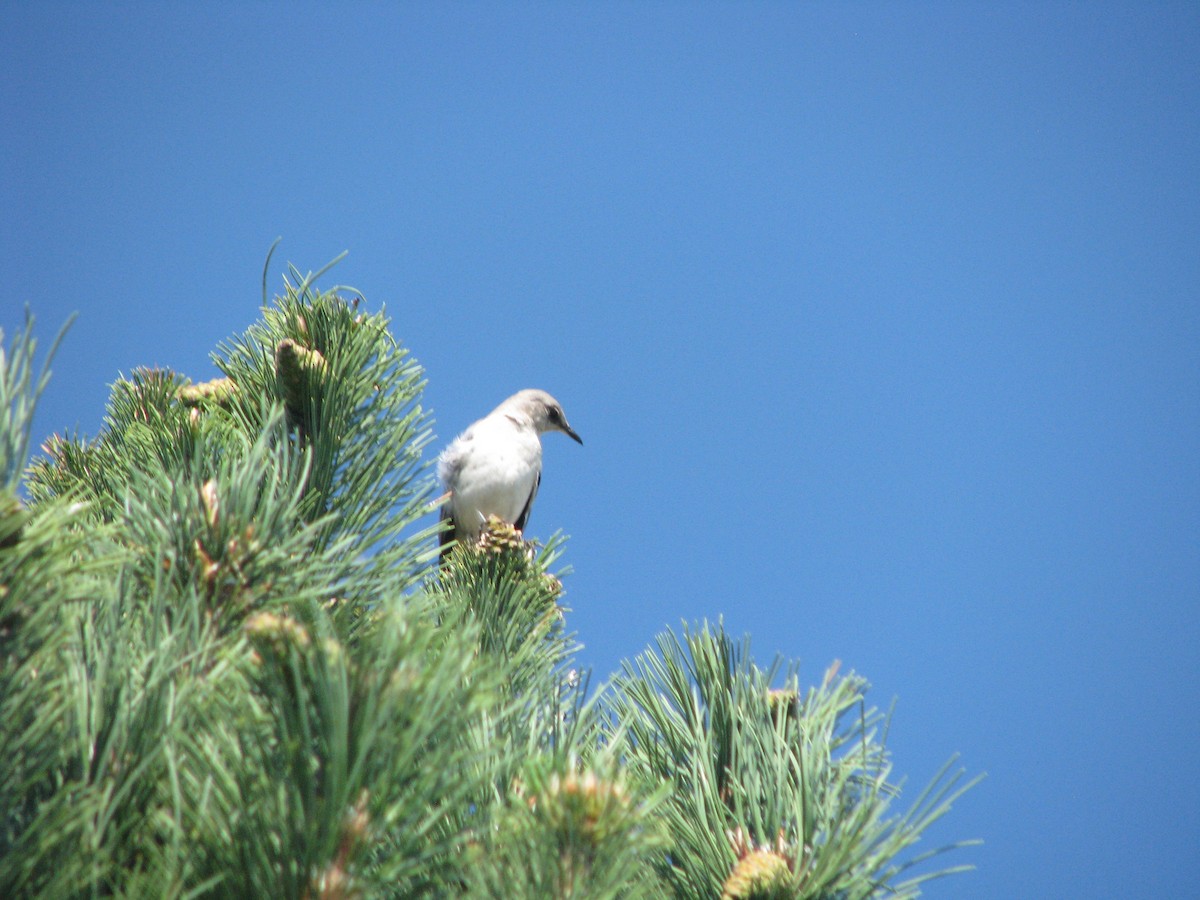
{"type": "Point", "coordinates": [494, 468]}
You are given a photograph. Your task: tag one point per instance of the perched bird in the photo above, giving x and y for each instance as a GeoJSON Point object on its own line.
{"type": "Point", "coordinates": [495, 466]}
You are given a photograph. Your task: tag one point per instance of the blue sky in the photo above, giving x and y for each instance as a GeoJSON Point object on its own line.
{"type": "Point", "coordinates": [880, 323]}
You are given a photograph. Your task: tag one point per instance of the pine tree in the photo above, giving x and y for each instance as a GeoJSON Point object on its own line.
{"type": "Point", "coordinates": [231, 666]}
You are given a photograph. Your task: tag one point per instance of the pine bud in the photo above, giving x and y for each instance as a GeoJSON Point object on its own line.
{"type": "Point", "coordinates": [276, 630]}
{"type": "Point", "coordinates": [297, 367]}
{"type": "Point", "coordinates": [582, 805]}
{"type": "Point", "coordinates": [783, 702]}
{"type": "Point", "coordinates": [760, 875]}
{"type": "Point", "coordinates": [212, 505]}
{"type": "Point", "coordinates": [218, 392]}
{"type": "Point", "coordinates": [499, 537]}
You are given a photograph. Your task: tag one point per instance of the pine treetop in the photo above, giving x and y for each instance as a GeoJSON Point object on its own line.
{"type": "Point", "coordinates": [231, 665]}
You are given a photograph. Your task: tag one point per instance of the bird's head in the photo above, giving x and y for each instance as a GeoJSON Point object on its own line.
{"type": "Point", "coordinates": [543, 411]}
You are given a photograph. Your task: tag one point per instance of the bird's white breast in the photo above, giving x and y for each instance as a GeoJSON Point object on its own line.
{"type": "Point", "coordinates": [491, 468]}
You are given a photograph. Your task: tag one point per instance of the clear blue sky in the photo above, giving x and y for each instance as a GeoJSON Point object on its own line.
{"type": "Point", "coordinates": [881, 323]}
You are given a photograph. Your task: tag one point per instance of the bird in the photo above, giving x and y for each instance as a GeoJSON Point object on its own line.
{"type": "Point", "coordinates": [494, 468]}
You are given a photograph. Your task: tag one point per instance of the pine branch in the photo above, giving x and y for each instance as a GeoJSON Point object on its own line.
{"type": "Point", "coordinates": [352, 396]}
{"type": "Point", "coordinates": [20, 388]}
{"type": "Point", "coordinates": [772, 795]}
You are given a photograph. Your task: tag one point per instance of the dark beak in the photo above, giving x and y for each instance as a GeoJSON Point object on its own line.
{"type": "Point", "coordinates": [567, 430]}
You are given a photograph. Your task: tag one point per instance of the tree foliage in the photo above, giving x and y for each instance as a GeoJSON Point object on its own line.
{"type": "Point", "coordinates": [230, 665]}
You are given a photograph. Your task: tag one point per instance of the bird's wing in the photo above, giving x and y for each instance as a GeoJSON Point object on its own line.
{"type": "Point", "coordinates": [448, 535]}
{"type": "Point", "coordinates": [524, 516]}
{"type": "Point", "coordinates": [451, 460]}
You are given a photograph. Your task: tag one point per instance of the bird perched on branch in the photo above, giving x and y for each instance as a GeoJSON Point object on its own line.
{"type": "Point", "coordinates": [495, 466]}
